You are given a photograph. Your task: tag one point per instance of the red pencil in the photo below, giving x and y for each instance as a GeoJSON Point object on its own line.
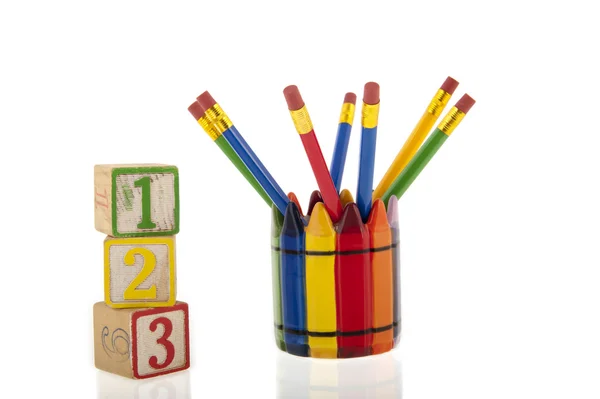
{"type": "Point", "coordinates": [305, 129]}
{"type": "Point", "coordinates": [353, 286]}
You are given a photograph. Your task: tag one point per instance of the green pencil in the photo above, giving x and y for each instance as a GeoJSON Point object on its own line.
{"type": "Point", "coordinates": [429, 148]}
{"type": "Point", "coordinates": [197, 112]}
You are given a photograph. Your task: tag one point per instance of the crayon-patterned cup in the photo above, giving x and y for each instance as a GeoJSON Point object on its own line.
{"type": "Point", "coordinates": [336, 288]}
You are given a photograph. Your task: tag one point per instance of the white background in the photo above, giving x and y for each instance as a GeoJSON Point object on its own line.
{"type": "Point", "coordinates": [500, 266]}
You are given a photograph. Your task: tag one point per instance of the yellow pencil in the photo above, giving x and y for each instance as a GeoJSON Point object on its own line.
{"type": "Point", "coordinates": [411, 145]}
{"type": "Point", "coordinates": [320, 284]}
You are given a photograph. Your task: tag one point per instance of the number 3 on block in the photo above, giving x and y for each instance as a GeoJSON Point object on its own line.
{"type": "Point", "coordinates": [139, 272]}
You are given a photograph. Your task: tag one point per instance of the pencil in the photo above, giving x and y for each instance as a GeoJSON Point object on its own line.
{"type": "Point", "coordinates": [421, 130]}
{"type": "Point", "coordinates": [369, 119]}
{"type": "Point", "coordinates": [380, 237]}
{"type": "Point", "coordinates": [293, 282]}
{"type": "Point", "coordinates": [346, 197]}
{"type": "Point", "coordinates": [342, 139]}
{"type": "Point", "coordinates": [304, 127]}
{"type": "Point", "coordinates": [215, 121]}
{"type": "Point", "coordinates": [429, 148]}
{"type": "Point", "coordinates": [197, 112]}
{"type": "Point", "coordinates": [392, 216]}
{"type": "Point", "coordinates": [353, 295]}
{"type": "Point", "coordinates": [320, 284]}
{"type": "Point", "coordinates": [276, 225]}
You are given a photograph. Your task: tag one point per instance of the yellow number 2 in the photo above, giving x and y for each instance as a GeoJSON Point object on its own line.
{"type": "Point", "coordinates": [132, 292]}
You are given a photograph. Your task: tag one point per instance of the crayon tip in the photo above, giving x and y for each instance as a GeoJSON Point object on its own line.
{"type": "Point", "coordinates": [292, 221]}
{"type": "Point", "coordinates": [206, 100]}
{"type": "Point", "coordinates": [314, 198]}
{"type": "Point", "coordinates": [320, 223]}
{"type": "Point", "coordinates": [449, 85]}
{"type": "Point", "coordinates": [465, 103]}
{"type": "Point", "coordinates": [196, 110]}
{"type": "Point", "coordinates": [371, 93]}
{"type": "Point", "coordinates": [346, 197]}
{"type": "Point", "coordinates": [276, 221]}
{"type": "Point", "coordinates": [293, 98]}
{"type": "Point", "coordinates": [378, 215]}
{"type": "Point", "coordinates": [392, 211]}
{"type": "Point", "coordinates": [351, 221]}
{"type": "Point", "coordinates": [292, 197]}
{"type": "Point", "coordinates": [350, 98]}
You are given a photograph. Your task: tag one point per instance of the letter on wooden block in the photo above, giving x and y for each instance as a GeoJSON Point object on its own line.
{"type": "Point", "coordinates": [136, 200]}
{"type": "Point", "coordinates": [141, 343]}
{"type": "Point", "coordinates": [139, 272]}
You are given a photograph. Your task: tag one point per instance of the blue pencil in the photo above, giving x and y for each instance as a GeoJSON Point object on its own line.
{"type": "Point", "coordinates": [293, 282]}
{"type": "Point", "coordinates": [216, 119]}
{"type": "Point", "coordinates": [342, 139]}
{"type": "Point", "coordinates": [369, 118]}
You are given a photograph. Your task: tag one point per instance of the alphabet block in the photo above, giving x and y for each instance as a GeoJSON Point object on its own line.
{"type": "Point", "coordinates": [136, 200]}
{"type": "Point", "coordinates": [141, 343]}
{"type": "Point", "coordinates": [139, 272]}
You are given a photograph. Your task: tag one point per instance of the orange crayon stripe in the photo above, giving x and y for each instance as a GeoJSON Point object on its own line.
{"type": "Point", "coordinates": [380, 236]}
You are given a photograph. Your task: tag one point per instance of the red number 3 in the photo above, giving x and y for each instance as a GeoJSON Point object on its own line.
{"type": "Point", "coordinates": [164, 341]}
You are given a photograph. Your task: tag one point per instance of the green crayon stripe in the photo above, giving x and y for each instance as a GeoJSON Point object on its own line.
{"type": "Point", "coordinates": [276, 224]}
{"type": "Point", "coordinates": [416, 165]}
{"type": "Point", "coordinates": [235, 159]}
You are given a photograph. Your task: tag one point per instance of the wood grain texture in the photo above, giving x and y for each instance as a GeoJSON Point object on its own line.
{"type": "Point", "coordinates": [145, 266]}
{"type": "Point", "coordinates": [133, 200]}
{"type": "Point", "coordinates": [127, 342]}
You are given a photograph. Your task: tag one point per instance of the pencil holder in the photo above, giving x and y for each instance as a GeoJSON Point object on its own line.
{"type": "Point", "coordinates": [336, 286]}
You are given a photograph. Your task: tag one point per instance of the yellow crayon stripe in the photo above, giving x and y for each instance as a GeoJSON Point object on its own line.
{"type": "Point", "coordinates": [320, 283]}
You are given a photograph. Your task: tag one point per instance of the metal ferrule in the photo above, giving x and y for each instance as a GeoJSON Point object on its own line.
{"type": "Point", "coordinates": [347, 114]}
{"type": "Point", "coordinates": [370, 115]}
{"type": "Point", "coordinates": [302, 120]}
{"type": "Point", "coordinates": [438, 102]}
{"type": "Point", "coordinates": [451, 121]}
{"type": "Point", "coordinates": [215, 122]}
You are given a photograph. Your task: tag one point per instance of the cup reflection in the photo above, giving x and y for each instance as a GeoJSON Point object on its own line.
{"type": "Point", "coordinates": [370, 377]}
{"type": "Point", "coordinates": [170, 386]}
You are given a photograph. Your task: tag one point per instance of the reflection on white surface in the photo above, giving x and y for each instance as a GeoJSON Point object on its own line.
{"type": "Point", "coordinates": [170, 386]}
{"type": "Point", "coordinates": [369, 377]}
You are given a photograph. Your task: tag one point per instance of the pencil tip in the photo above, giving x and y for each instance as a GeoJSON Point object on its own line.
{"type": "Point", "coordinates": [351, 221]}
{"type": "Point", "coordinates": [292, 221]}
{"type": "Point", "coordinates": [315, 197]}
{"type": "Point", "coordinates": [293, 98]}
{"type": "Point", "coordinates": [449, 85]}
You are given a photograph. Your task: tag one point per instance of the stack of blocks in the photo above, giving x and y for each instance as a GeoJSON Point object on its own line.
{"type": "Point", "coordinates": [140, 330]}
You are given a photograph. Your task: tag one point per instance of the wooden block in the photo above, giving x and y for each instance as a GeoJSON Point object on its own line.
{"type": "Point", "coordinates": [139, 272]}
{"type": "Point", "coordinates": [136, 200]}
{"type": "Point", "coordinates": [141, 343]}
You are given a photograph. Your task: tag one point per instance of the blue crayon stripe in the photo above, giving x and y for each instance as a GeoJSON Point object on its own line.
{"type": "Point", "coordinates": [260, 172]}
{"type": "Point", "coordinates": [364, 192]}
{"type": "Point", "coordinates": [339, 154]}
{"type": "Point", "coordinates": [293, 289]}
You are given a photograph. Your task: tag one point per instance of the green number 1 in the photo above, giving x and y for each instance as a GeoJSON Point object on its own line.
{"type": "Point", "coordinates": [146, 223]}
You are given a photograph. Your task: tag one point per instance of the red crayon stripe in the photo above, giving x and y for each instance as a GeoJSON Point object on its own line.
{"type": "Point", "coordinates": [380, 236]}
{"type": "Point", "coordinates": [353, 286]}
{"type": "Point", "coordinates": [330, 195]}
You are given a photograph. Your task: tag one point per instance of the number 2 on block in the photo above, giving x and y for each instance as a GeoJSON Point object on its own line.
{"type": "Point", "coordinates": [146, 222]}
{"type": "Point", "coordinates": [132, 292]}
